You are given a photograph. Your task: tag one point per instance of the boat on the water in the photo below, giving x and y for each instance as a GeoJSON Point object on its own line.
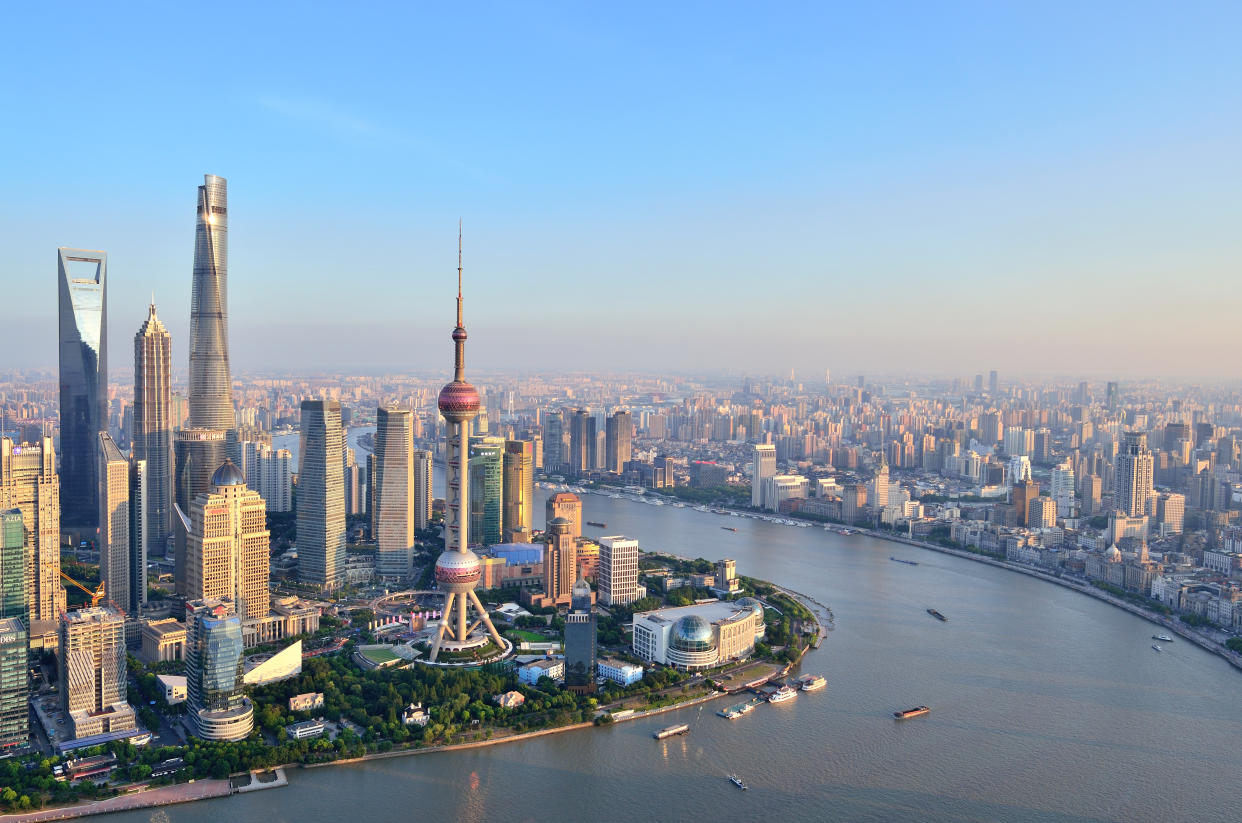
{"type": "Point", "coordinates": [1163, 638]}
{"type": "Point", "coordinates": [737, 781]}
{"type": "Point", "coordinates": [597, 524]}
{"type": "Point", "coordinates": [1156, 646]}
{"type": "Point", "coordinates": [899, 560]}
{"type": "Point", "coordinates": [906, 714]}
{"type": "Point", "coordinates": [813, 682]}
{"type": "Point", "coordinates": [728, 528]}
{"type": "Point", "coordinates": [782, 694]}
{"type": "Point", "coordinates": [734, 712]}
{"type": "Point", "coordinates": [937, 615]}
{"type": "Point", "coordinates": [669, 731]}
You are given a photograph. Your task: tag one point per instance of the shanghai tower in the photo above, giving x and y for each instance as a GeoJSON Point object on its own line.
{"type": "Point", "coordinates": [211, 388]}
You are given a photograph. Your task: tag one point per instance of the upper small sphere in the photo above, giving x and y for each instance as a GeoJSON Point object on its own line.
{"type": "Point", "coordinates": [228, 475]}
{"type": "Point", "coordinates": [459, 401]}
{"type": "Point", "coordinates": [459, 333]}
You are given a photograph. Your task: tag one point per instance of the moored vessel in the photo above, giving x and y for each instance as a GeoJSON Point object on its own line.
{"type": "Point", "coordinates": [1156, 646]}
{"type": "Point", "coordinates": [1163, 638]}
{"type": "Point", "coordinates": [813, 682]}
{"type": "Point", "coordinates": [899, 560]}
{"type": "Point", "coordinates": [669, 731]}
{"type": "Point", "coordinates": [906, 714]}
{"type": "Point", "coordinates": [937, 615]}
{"type": "Point", "coordinates": [737, 781]}
{"type": "Point", "coordinates": [782, 694]}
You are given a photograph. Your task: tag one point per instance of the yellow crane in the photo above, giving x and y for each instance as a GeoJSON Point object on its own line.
{"type": "Point", "coordinates": [95, 596]}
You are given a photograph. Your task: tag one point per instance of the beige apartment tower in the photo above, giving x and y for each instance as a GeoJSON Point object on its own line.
{"type": "Point", "coordinates": [227, 545]}
{"type": "Point", "coordinates": [28, 481]}
{"type": "Point", "coordinates": [114, 563]}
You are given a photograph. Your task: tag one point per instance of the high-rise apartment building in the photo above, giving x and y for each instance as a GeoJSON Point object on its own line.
{"type": "Point", "coordinates": [83, 316]}
{"type": "Point", "coordinates": [1062, 489]}
{"type": "Point", "coordinates": [28, 482]}
{"type": "Point", "coordinates": [14, 684]}
{"type": "Point", "coordinates": [1022, 494]}
{"type": "Point", "coordinates": [393, 518]}
{"type": "Point", "coordinates": [354, 480]}
{"type": "Point", "coordinates": [567, 505]}
{"type": "Point", "coordinates": [153, 427]}
{"type": "Point", "coordinates": [554, 457]}
{"type": "Point", "coordinates": [1134, 475]}
{"type": "Point", "coordinates": [227, 546]}
{"type": "Point", "coordinates": [211, 387]}
{"type": "Point", "coordinates": [423, 489]}
{"type": "Point", "coordinates": [487, 489]}
{"type": "Point", "coordinates": [139, 523]}
{"type": "Point", "coordinates": [218, 708]}
{"type": "Point", "coordinates": [321, 495]}
{"type": "Point", "coordinates": [619, 432]}
{"type": "Point", "coordinates": [114, 562]}
{"type": "Point", "coordinates": [1170, 513]}
{"type": "Point", "coordinates": [270, 473]}
{"type": "Point", "coordinates": [92, 672]}
{"type": "Point", "coordinates": [580, 641]}
{"type": "Point", "coordinates": [993, 383]}
{"type": "Point", "coordinates": [1041, 513]}
{"type": "Point", "coordinates": [13, 567]}
{"type": "Point", "coordinates": [582, 442]}
{"type": "Point", "coordinates": [618, 570]}
{"type": "Point", "coordinates": [519, 488]}
{"type": "Point", "coordinates": [763, 466]}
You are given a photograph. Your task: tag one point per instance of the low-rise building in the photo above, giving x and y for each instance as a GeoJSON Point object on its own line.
{"type": "Point", "coordinates": [552, 668]}
{"type": "Point", "coordinates": [306, 702]}
{"type": "Point", "coordinates": [306, 729]}
{"type": "Point", "coordinates": [415, 715]}
{"type": "Point", "coordinates": [618, 671]}
{"type": "Point", "coordinates": [174, 687]}
{"type": "Point", "coordinates": [698, 636]}
{"type": "Point", "coordinates": [163, 641]}
{"type": "Point", "coordinates": [509, 700]}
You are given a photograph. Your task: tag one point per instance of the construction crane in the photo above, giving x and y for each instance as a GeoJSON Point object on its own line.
{"type": "Point", "coordinates": [95, 596]}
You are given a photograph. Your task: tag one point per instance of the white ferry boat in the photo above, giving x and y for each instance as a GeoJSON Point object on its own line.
{"type": "Point", "coordinates": [782, 694]}
{"type": "Point", "coordinates": [813, 682]}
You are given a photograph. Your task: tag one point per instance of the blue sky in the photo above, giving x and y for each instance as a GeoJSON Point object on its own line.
{"type": "Point", "coordinates": [901, 188]}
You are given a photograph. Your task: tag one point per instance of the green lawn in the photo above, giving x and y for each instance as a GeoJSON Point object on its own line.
{"type": "Point", "coordinates": [379, 656]}
{"type": "Point", "coordinates": [529, 637]}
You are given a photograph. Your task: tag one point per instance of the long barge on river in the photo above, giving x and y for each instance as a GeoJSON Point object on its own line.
{"type": "Point", "coordinates": [669, 731]}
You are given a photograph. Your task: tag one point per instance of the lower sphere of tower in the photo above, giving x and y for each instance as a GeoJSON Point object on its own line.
{"type": "Point", "coordinates": [457, 572]}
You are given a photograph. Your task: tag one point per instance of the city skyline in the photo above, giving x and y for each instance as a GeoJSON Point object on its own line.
{"type": "Point", "coordinates": [974, 197]}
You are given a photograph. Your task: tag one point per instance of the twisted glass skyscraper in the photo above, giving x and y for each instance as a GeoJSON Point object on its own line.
{"type": "Point", "coordinates": [211, 389]}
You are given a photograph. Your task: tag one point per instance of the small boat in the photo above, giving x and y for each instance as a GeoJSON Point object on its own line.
{"type": "Point", "coordinates": [906, 714]}
{"type": "Point", "coordinates": [1163, 638]}
{"type": "Point", "coordinates": [734, 712]}
{"type": "Point", "coordinates": [737, 782]}
{"type": "Point", "coordinates": [899, 560]}
{"type": "Point", "coordinates": [813, 682]}
{"type": "Point", "coordinates": [1156, 646]}
{"type": "Point", "coordinates": [938, 615]}
{"type": "Point", "coordinates": [728, 528]}
{"type": "Point", "coordinates": [782, 694]}
{"type": "Point", "coordinates": [669, 731]}
{"type": "Point", "coordinates": [597, 525]}
{"type": "Point", "coordinates": [844, 531]}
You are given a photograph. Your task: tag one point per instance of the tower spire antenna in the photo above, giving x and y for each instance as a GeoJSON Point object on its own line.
{"type": "Point", "coordinates": [459, 324]}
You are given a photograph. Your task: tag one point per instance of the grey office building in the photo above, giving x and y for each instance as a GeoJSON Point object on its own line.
{"type": "Point", "coordinates": [83, 382]}
{"type": "Point", "coordinates": [321, 495]}
{"type": "Point", "coordinates": [152, 431]}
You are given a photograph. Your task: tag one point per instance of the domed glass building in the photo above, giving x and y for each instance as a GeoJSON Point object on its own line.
{"type": "Point", "coordinates": [692, 643]}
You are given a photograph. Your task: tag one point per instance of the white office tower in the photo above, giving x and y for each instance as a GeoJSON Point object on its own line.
{"type": "Point", "coordinates": [618, 570]}
{"type": "Point", "coordinates": [1063, 489]}
{"type": "Point", "coordinates": [1134, 475]}
{"type": "Point", "coordinates": [763, 467]}
{"type": "Point", "coordinates": [1019, 469]}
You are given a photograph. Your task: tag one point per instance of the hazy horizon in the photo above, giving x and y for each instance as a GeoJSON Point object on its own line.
{"type": "Point", "coordinates": [942, 191]}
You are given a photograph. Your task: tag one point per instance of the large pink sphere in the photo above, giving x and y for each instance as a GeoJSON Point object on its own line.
{"type": "Point", "coordinates": [457, 571]}
{"type": "Point", "coordinates": [459, 401]}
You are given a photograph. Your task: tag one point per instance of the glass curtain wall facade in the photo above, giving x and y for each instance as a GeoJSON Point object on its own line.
{"type": "Point", "coordinates": [486, 489]}
{"type": "Point", "coordinates": [519, 487]}
{"type": "Point", "coordinates": [321, 495]}
{"type": "Point", "coordinates": [14, 684]}
{"type": "Point", "coordinates": [83, 380]}
{"type": "Point", "coordinates": [393, 520]}
{"type": "Point", "coordinates": [214, 672]}
{"type": "Point", "coordinates": [211, 388]}
{"type": "Point", "coordinates": [13, 567]}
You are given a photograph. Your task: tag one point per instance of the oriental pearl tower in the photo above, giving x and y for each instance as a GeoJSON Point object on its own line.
{"type": "Point", "coordinates": [457, 569]}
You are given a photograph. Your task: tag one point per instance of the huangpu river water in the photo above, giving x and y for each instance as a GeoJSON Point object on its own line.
{"type": "Point", "coordinates": [1046, 706]}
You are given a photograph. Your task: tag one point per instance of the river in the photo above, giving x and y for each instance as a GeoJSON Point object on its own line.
{"type": "Point", "coordinates": [1046, 706]}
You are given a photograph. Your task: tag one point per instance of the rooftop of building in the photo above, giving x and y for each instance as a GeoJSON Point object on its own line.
{"type": "Point", "coordinates": [711, 611]}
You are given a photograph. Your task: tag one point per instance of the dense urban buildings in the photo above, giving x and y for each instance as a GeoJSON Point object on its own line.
{"type": "Point", "coordinates": [321, 495]}
{"type": "Point", "coordinates": [83, 316]}
{"type": "Point", "coordinates": [153, 427]}
{"type": "Point", "coordinates": [29, 483]}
